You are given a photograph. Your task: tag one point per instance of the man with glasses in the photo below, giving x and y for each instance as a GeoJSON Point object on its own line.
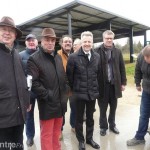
{"type": "Point", "coordinates": [112, 81]}
{"type": "Point", "coordinates": [14, 95]}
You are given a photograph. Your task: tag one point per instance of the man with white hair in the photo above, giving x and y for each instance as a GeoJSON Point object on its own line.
{"type": "Point", "coordinates": [82, 71]}
{"type": "Point", "coordinates": [76, 44]}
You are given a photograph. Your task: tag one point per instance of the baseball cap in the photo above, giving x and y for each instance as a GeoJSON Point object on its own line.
{"type": "Point", "coordinates": [29, 36]}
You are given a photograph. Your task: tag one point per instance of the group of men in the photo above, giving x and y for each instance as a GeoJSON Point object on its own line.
{"type": "Point", "coordinates": [81, 76]}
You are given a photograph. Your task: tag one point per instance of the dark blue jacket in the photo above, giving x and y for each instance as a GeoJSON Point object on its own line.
{"type": "Point", "coordinates": [25, 54]}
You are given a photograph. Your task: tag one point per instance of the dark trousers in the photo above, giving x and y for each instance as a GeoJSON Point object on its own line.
{"type": "Point", "coordinates": [11, 138]}
{"type": "Point", "coordinates": [144, 116]}
{"type": "Point", "coordinates": [63, 123]}
{"type": "Point", "coordinates": [109, 99]}
{"type": "Point", "coordinates": [30, 127]}
{"type": "Point", "coordinates": [90, 108]}
{"type": "Point", "coordinates": [72, 111]}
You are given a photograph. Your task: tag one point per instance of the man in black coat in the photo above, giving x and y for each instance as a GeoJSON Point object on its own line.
{"type": "Point", "coordinates": [49, 84]}
{"type": "Point", "coordinates": [14, 95]}
{"type": "Point", "coordinates": [82, 72]}
{"type": "Point", "coordinates": [112, 81]}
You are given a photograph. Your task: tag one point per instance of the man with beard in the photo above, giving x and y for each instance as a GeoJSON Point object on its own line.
{"type": "Point", "coordinates": [64, 52]}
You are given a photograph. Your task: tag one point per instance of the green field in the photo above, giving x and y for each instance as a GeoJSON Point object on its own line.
{"type": "Point", "coordinates": [130, 73]}
{"type": "Point", "coordinates": [130, 68]}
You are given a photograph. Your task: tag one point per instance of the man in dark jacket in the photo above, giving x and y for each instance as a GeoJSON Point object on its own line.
{"type": "Point", "coordinates": [31, 43]}
{"type": "Point", "coordinates": [14, 95]}
{"type": "Point", "coordinates": [49, 84]}
{"type": "Point", "coordinates": [142, 81]}
{"type": "Point", "coordinates": [112, 81]}
{"type": "Point", "coordinates": [82, 72]}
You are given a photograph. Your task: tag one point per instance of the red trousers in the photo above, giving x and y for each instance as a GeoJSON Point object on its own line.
{"type": "Point", "coordinates": [50, 132]}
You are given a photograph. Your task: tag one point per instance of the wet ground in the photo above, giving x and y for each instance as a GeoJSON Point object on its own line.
{"type": "Point", "coordinates": [127, 116]}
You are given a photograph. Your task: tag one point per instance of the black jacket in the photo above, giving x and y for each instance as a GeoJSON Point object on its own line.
{"type": "Point", "coordinates": [48, 83]}
{"type": "Point", "coordinates": [142, 73]}
{"type": "Point", "coordinates": [119, 72]}
{"type": "Point", "coordinates": [14, 96]}
{"type": "Point", "coordinates": [82, 75]}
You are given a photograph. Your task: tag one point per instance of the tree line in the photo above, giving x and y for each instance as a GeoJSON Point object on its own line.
{"type": "Point", "coordinates": [137, 47]}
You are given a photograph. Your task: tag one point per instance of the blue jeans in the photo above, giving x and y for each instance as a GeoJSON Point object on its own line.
{"type": "Point", "coordinates": [30, 127]}
{"type": "Point", "coordinates": [144, 116]}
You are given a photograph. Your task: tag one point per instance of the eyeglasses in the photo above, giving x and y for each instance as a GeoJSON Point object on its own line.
{"type": "Point", "coordinates": [8, 29]}
{"type": "Point", "coordinates": [109, 38]}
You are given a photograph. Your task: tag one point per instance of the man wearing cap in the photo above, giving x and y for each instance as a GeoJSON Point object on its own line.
{"type": "Point", "coordinates": [31, 43]}
{"type": "Point", "coordinates": [49, 83]}
{"type": "Point", "coordinates": [14, 95]}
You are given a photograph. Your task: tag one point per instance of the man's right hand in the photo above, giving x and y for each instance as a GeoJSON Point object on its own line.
{"type": "Point", "coordinates": [139, 88]}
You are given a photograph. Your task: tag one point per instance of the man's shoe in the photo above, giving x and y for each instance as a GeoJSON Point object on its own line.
{"type": "Point", "coordinates": [93, 144]}
{"type": "Point", "coordinates": [134, 142]}
{"type": "Point", "coordinates": [115, 130]}
{"type": "Point", "coordinates": [30, 142]}
{"type": "Point", "coordinates": [81, 146]}
{"type": "Point", "coordinates": [102, 132]}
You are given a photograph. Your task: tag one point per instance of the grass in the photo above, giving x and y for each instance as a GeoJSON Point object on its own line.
{"type": "Point", "coordinates": [130, 73]}
{"type": "Point", "coordinates": [130, 68]}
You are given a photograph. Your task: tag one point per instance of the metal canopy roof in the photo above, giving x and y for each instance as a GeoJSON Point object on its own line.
{"type": "Point", "coordinates": [84, 17]}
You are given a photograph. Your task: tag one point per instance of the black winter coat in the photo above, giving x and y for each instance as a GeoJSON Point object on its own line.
{"type": "Point", "coordinates": [82, 75]}
{"type": "Point", "coordinates": [119, 71]}
{"type": "Point", "coordinates": [48, 84]}
{"type": "Point", "coordinates": [142, 73]}
{"type": "Point", "coordinates": [14, 96]}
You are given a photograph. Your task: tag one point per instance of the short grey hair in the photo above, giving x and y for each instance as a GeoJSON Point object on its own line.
{"type": "Point", "coordinates": [86, 33]}
{"type": "Point", "coordinates": [108, 32]}
{"type": "Point", "coordinates": [77, 41]}
{"type": "Point", "coordinates": [146, 51]}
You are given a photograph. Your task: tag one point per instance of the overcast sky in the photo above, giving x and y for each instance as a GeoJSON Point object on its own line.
{"type": "Point", "coordinates": [24, 10]}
